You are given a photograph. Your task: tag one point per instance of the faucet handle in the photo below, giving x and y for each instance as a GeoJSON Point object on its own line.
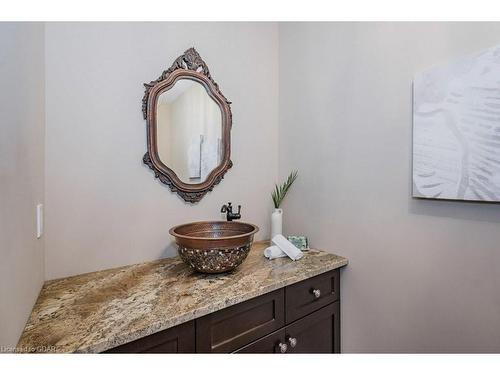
{"type": "Point", "coordinates": [239, 209]}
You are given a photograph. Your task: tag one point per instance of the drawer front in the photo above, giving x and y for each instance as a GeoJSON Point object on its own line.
{"type": "Point", "coordinates": [227, 330]}
{"type": "Point", "coordinates": [268, 344]}
{"type": "Point", "coordinates": [179, 339]}
{"type": "Point", "coordinates": [316, 333]}
{"type": "Point", "coordinates": [312, 294]}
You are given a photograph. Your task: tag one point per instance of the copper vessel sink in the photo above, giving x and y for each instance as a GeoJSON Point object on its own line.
{"type": "Point", "coordinates": [214, 246]}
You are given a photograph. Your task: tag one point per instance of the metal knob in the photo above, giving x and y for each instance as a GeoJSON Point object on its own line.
{"type": "Point", "coordinates": [283, 347]}
{"type": "Point", "coordinates": [292, 341]}
{"type": "Point", "coordinates": [317, 293]}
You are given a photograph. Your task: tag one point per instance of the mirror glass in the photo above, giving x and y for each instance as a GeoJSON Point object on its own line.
{"type": "Point", "coordinates": [189, 131]}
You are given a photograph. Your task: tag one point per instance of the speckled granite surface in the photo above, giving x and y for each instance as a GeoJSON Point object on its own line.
{"type": "Point", "coordinates": [97, 311]}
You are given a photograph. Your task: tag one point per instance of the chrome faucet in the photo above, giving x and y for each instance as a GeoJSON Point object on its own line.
{"type": "Point", "coordinates": [228, 210]}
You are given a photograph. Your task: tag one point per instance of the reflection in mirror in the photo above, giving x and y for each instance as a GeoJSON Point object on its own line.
{"type": "Point", "coordinates": [189, 131]}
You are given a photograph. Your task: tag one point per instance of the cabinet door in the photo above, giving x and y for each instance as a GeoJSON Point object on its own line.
{"type": "Point", "coordinates": [318, 332]}
{"type": "Point", "coordinates": [179, 339]}
{"type": "Point", "coordinates": [267, 344]}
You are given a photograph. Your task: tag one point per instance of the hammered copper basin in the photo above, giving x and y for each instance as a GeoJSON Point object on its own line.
{"type": "Point", "coordinates": [214, 246]}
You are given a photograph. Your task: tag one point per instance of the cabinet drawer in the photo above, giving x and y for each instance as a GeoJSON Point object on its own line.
{"type": "Point", "coordinates": [316, 333]}
{"type": "Point", "coordinates": [310, 295]}
{"type": "Point", "coordinates": [178, 339]}
{"type": "Point", "coordinates": [227, 330]}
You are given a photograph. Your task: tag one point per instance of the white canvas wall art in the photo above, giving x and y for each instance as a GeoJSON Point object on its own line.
{"type": "Point", "coordinates": [456, 129]}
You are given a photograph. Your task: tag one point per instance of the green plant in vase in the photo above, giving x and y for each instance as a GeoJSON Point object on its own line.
{"type": "Point", "coordinates": [279, 193]}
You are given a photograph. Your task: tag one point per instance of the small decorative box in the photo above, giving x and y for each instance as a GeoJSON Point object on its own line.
{"type": "Point", "coordinates": [300, 241]}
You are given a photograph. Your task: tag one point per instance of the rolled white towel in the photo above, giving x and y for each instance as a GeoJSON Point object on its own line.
{"type": "Point", "coordinates": [273, 252]}
{"type": "Point", "coordinates": [287, 247]}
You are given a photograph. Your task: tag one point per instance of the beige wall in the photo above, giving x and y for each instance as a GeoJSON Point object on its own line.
{"type": "Point", "coordinates": [104, 207]}
{"type": "Point", "coordinates": [423, 275]}
{"type": "Point", "coordinates": [21, 173]}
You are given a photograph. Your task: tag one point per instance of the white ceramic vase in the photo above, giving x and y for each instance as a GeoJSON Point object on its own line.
{"type": "Point", "coordinates": [276, 222]}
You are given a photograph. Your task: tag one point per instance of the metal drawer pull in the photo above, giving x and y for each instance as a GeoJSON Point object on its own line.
{"type": "Point", "coordinates": [292, 341]}
{"type": "Point", "coordinates": [316, 292]}
{"type": "Point", "coordinates": [283, 347]}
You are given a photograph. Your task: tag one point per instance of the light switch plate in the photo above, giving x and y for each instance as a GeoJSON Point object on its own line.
{"type": "Point", "coordinates": [39, 220]}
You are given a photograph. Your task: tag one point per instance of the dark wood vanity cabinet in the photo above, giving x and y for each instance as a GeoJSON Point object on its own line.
{"type": "Point", "coordinates": [299, 318]}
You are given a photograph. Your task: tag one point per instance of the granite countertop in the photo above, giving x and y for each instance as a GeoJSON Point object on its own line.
{"type": "Point", "coordinates": [93, 312]}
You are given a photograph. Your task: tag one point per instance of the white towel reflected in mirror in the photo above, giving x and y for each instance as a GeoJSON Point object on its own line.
{"type": "Point", "coordinates": [210, 156]}
{"type": "Point", "coordinates": [194, 156]}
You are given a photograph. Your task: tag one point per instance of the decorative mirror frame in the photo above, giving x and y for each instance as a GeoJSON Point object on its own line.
{"type": "Point", "coordinates": [187, 66]}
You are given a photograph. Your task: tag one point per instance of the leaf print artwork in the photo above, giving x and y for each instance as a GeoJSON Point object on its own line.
{"type": "Point", "coordinates": [456, 129]}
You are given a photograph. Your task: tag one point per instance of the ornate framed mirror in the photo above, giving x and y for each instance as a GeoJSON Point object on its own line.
{"type": "Point", "coordinates": [188, 128]}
